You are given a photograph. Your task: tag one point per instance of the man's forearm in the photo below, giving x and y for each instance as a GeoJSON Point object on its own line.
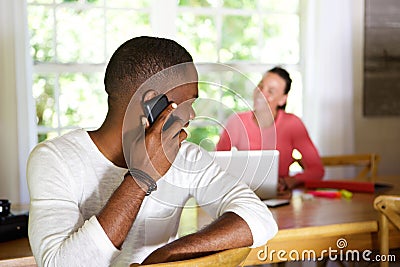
{"type": "Point", "coordinates": [228, 231]}
{"type": "Point", "coordinates": [121, 210]}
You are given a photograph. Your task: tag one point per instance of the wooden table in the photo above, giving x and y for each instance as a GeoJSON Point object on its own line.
{"type": "Point", "coordinates": [15, 249]}
{"type": "Point", "coordinates": [315, 225]}
{"type": "Point", "coordinates": [304, 225]}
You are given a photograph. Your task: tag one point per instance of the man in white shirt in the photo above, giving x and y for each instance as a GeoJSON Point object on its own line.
{"type": "Point", "coordinates": [87, 209]}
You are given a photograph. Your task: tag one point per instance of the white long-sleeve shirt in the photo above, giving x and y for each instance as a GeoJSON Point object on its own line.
{"type": "Point", "coordinates": [70, 181]}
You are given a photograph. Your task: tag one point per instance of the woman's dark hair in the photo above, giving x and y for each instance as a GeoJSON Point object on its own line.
{"type": "Point", "coordinates": [285, 76]}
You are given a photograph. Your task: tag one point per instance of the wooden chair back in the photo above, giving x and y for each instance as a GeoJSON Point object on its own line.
{"type": "Point", "coordinates": [389, 209]}
{"type": "Point", "coordinates": [227, 258]}
{"type": "Point", "coordinates": [368, 163]}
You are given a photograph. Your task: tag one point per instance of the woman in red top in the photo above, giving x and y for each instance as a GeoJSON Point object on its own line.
{"type": "Point", "coordinates": [254, 130]}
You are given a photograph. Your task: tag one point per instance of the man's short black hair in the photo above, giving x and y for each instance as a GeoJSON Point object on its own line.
{"type": "Point", "coordinates": [137, 60]}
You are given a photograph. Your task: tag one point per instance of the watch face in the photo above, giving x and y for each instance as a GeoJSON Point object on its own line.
{"type": "Point", "coordinates": [144, 180]}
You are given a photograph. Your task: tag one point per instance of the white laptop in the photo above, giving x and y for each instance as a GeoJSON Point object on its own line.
{"type": "Point", "coordinates": [256, 168]}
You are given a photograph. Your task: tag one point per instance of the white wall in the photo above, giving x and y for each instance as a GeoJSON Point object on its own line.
{"type": "Point", "coordinates": [16, 104]}
{"type": "Point", "coordinates": [328, 78]}
{"type": "Point", "coordinates": [372, 134]}
{"type": "Point", "coordinates": [9, 173]}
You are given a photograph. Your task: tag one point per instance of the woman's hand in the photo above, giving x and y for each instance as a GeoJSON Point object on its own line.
{"type": "Point", "coordinates": [286, 184]}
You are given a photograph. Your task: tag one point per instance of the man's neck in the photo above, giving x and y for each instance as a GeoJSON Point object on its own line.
{"type": "Point", "coordinates": [108, 139]}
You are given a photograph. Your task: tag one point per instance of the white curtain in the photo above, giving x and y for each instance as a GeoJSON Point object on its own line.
{"type": "Point", "coordinates": [328, 73]}
{"type": "Point", "coordinates": [328, 69]}
{"type": "Point", "coordinates": [17, 115]}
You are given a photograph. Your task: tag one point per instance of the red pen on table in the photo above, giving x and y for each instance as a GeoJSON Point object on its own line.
{"type": "Point", "coordinates": [327, 194]}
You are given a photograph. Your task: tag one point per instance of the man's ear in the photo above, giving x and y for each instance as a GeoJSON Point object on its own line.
{"type": "Point", "coordinates": [149, 95]}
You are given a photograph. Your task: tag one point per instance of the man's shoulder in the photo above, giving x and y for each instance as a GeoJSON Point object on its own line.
{"type": "Point", "coordinates": [190, 156]}
{"type": "Point", "coordinates": [189, 150]}
{"type": "Point", "coordinates": [71, 135]}
{"type": "Point", "coordinates": [61, 142]}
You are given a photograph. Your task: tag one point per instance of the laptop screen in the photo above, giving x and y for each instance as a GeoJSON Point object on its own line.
{"type": "Point", "coordinates": [257, 168]}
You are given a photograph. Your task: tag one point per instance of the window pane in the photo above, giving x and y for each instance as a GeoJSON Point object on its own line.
{"type": "Point", "coordinates": [89, 31]}
{"type": "Point", "coordinates": [281, 42]}
{"type": "Point", "coordinates": [240, 4]}
{"type": "Point", "coordinates": [197, 3]}
{"type": "Point", "coordinates": [43, 90]}
{"type": "Point", "coordinates": [206, 104]}
{"type": "Point", "coordinates": [40, 1]}
{"type": "Point", "coordinates": [123, 25]}
{"type": "Point", "coordinates": [220, 95]}
{"type": "Point", "coordinates": [223, 93]}
{"type": "Point", "coordinates": [237, 93]}
{"type": "Point", "coordinates": [85, 44]}
{"type": "Point", "coordinates": [205, 136]}
{"type": "Point", "coordinates": [45, 136]}
{"type": "Point", "coordinates": [83, 101]}
{"type": "Point", "coordinates": [291, 6]}
{"type": "Point", "coordinates": [240, 83]}
{"type": "Point", "coordinates": [294, 102]}
{"type": "Point", "coordinates": [128, 3]}
{"type": "Point", "coordinates": [239, 38]}
{"type": "Point", "coordinates": [99, 2]}
{"type": "Point", "coordinates": [40, 20]}
{"type": "Point", "coordinates": [93, 2]}
{"type": "Point", "coordinates": [198, 35]}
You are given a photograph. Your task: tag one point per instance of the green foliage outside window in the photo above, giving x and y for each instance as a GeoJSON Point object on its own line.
{"type": "Point", "coordinates": [197, 3]}
{"type": "Point", "coordinates": [205, 136]}
{"type": "Point", "coordinates": [76, 32]}
{"type": "Point", "coordinates": [202, 42]}
{"type": "Point", "coordinates": [237, 45]}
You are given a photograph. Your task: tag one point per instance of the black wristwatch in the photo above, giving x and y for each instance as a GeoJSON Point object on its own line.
{"type": "Point", "coordinates": [144, 179]}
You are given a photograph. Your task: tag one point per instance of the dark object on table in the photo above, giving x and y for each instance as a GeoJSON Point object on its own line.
{"type": "Point", "coordinates": [12, 226]}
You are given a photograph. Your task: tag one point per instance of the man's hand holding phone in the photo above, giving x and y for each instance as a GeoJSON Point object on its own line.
{"type": "Point", "coordinates": [156, 144]}
{"type": "Point", "coordinates": [163, 139]}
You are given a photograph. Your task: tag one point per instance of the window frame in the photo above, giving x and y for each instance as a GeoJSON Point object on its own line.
{"type": "Point", "coordinates": [162, 24]}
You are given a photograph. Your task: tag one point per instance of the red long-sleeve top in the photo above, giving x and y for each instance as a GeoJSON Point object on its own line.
{"type": "Point", "coordinates": [289, 133]}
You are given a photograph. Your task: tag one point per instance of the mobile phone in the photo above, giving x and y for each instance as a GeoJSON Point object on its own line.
{"type": "Point", "coordinates": [153, 108]}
